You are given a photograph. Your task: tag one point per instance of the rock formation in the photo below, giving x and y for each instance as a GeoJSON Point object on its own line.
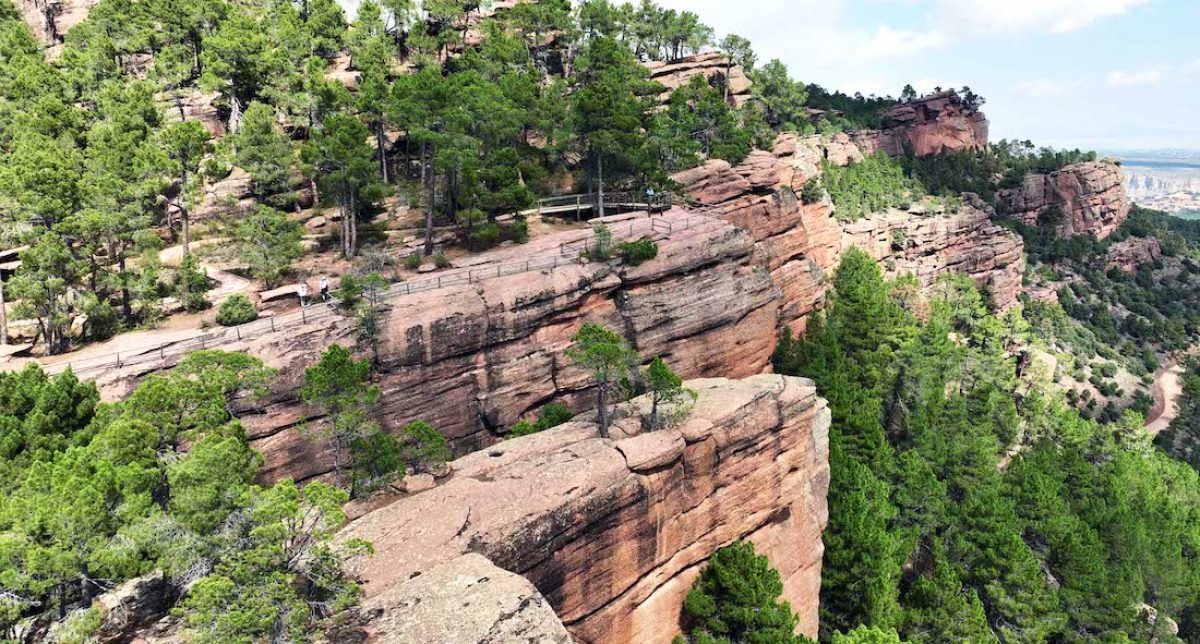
{"type": "Point", "coordinates": [1081, 199]}
{"type": "Point", "coordinates": [713, 65]}
{"type": "Point", "coordinates": [800, 243]}
{"type": "Point", "coordinates": [614, 532]}
{"type": "Point", "coordinates": [938, 123]}
{"type": "Point", "coordinates": [50, 20]}
{"type": "Point", "coordinates": [1129, 255]}
{"type": "Point", "coordinates": [466, 600]}
{"type": "Point", "coordinates": [932, 244]}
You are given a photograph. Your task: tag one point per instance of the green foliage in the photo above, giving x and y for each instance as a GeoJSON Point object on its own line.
{"type": "Point", "coordinates": [669, 399]}
{"type": "Point", "coordinates": [601, 248]}
{"type": "Point", "coordinates": [264, 151]}
{"type": "Point", "coordinates": [926, 536]}
{"type": "Point", "coordinates": [551, 415]}
{"type": "Point", "coordinates": [611, 362]}
{"type": "Point", "coordinates": [423, 446]}
{"type": "Point", "coordinates": [783, 99]}
{"type": "Point", "coordinates": [237, 309]}
{"type": "Point", "coordinates": [338, 386]}
{"type": "Point", "coordinates": [737, 599]}
{"type": "Point", "coordinates": [813, 191]}
{"type": "Point", "coordinates": [698, 124]}
{"type": "Point", "coordinates": [191, 284]}
{"type": "Point", "coordinates": [638, 252]}
{"type": "Point", "coordinates": [870, 186]}
{"type": "Point", "coordinates": [268, 242]}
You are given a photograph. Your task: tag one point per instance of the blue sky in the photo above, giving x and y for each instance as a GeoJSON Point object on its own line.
{"type": "Point", "coordinates": [1102, 74]}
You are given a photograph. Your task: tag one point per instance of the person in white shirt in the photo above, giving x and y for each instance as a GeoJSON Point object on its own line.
{"type": "Point", "coordinates": [302, 291]}
{"type": "Point", "coordinates": [324, 288]}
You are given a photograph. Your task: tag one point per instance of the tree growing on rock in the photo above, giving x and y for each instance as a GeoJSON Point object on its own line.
{"type": "Point", "coordinates": [185, 144]}
{"type": "Point", "coordinates": [737, 599]}
{"type": "Point", "coordinates": [339, 385]}
{"type": "Point", "coordinates": [669, 399]}
{"type": "Point", "coordinates": [611, 362]}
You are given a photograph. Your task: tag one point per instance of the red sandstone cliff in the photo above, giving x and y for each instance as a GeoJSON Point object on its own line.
{"type": "Point", "coordinates": [1090, 197]}
{"type": "Point", "coordinates": [937, 123]}
{"type": "Point", "coordinates": [801, 243]}
{"type": "Point", "coordinates": [614, 532]}
{"type": "Point", "coordinates": [50, 20]}
{"type": "Point", "coordinates": [713, 65]}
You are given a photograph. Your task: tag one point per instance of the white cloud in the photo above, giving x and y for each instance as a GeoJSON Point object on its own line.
{"type": "Point", "coordinates": [887, 42]}
{"type": "Point", "coordinates": [1047, 87]}
{"type": "Point", "coordinates": [1194, 66]}
{"type": "Point", "coordinates": [1121, 78]}
{"type": "Point", "coordinates": [1054, 16]}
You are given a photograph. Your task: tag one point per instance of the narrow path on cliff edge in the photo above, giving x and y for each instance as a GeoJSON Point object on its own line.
{"type": "Point", "coordinates": [1168, 387]}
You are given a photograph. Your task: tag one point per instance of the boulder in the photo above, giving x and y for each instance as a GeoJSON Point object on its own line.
{"type": "Point", "coordinates": [133, 605]}
{"type": "Point", "coordinates": [1129, 255]}
{"type": "Point", "coordinates": [466, 600]}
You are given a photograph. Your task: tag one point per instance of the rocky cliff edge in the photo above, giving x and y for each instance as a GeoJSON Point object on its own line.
{"type": "Point", "coordinates": [612, 533]}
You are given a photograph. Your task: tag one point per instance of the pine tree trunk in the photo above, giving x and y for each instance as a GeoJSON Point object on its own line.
{"type": "Point", "coordinates": [3, 316]}
{"type": "Point", "coordinates": [429, 176]}
{"type": "Point", "coordinates": [601, 412]}
{"type": "Point", "coordinates": [184, 222]}
{"type": "Point", "coordinates": [381, 140]}
{"type": "Point", "coordinates": [126, 303]}
{"type": "Point", "coordinates": [600, 184]}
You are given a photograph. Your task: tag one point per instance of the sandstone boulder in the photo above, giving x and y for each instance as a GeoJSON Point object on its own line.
{"type": "Point", "coordinates": [133, 605]}
{"type": "Point", "coordinates": [466, 600]}
{"type": "Point", "coordinates": [930, 125]}
{"type": "Point", "coordinates": [715, 68]}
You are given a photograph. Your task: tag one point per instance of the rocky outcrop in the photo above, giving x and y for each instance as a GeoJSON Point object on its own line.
{"type": "Point", "coordinates": [715, 68]}
{"type": "Point", "coordinates": [613, 533]}
{"type": "Point", "coordinates": [931, 242]}
{"type": "Point", "coordinates": [466, 600]}
{"type": "Point", "coordinates": [473, 358]}
{"type": "Point", "coordinates": [800, 243]}
{"type": "Point", "coordinates": [50, 20]}
{"type": "Point", "coordinates": [938, 123]}
{"type": "Point", "coordinates": [1081, 199]}
{"type": "Point", "coordinates": [1129, 255]}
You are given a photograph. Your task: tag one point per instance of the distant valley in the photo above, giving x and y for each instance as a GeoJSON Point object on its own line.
{"type": "Point", "coordinates": [1167, 180]}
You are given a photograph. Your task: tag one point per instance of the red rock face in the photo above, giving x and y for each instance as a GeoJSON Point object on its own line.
{"type": "Point", "coordinates": [713, 65]}
{"type": "Point", "coordinates": [1090, 199]}
{"type": "Point", "coordinates": [800, 243]}
{"type": "Point", "coordinates": [50, 20]}
{"type": "Point", "coordinates": [938, 123]}
{"type": "Point", "coordinates": [614, 533]}
{"type": "Point", "coordinates": [1133, 253]}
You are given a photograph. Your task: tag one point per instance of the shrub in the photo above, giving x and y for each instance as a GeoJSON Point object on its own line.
{"type": "Point", "coordinates": [441, 261]}
{"type": "Point", "coordinates": [413, 261]}
{"type": "Point", "coordinates": [552, 415]}
{"type": "Point", "coordinates": [638, 252]}
{"type": "Point", "coordinates": [422, 445]}
{"type": "Point", "coordinates": [238, 309]}
{"type": "Point", "coordinates": [813, 191]}
{"type": "Point", "coordinates": [190, 285]}
{"type": "Point", "coordinates": [518, 231]}
{"type": "Point", "coordinates": [737, 599]}
{"type": "Point", "coordinates": [484, 237]}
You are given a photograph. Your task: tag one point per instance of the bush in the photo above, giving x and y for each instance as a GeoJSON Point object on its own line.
{"type": "Point", "coordinates": [551, 415]}
{"type": "Point", "coordinates": [484, 237]}
{"type": "Point", "coordinates": [813, 191]}
{"type": "Point", "coordinates": [191, 284]}
{"type": "Point", "coordinates": [518, 231]}
{"type": "Point", "coordinates": [238, 309]}
{"type": "Point", "coordinates": [441, 261]}
{"type": "Point", "coordinates": [638, 252]}
{"type": "Point", "coordinates": [413, 261]}
{"type": "Point", "coordinates": [421, 445]}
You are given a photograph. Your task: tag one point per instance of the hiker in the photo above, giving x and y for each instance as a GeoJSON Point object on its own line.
{"type": "Point", "coordinates": [302, 291]}
{"type": "Point", "coordinates": [324, 288]}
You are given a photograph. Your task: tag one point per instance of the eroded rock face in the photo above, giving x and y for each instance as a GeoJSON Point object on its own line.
{"type": "Point", "coordinates": [715, 68]}
{"type": "Point", "coordinates": [613, 534]}
{"type": "Point", "coordinates": [938, 123]}
{"type": "Point", "coordinates": [466, 600]}
{"type": "Point", "coordinates": [1081, 199]}
{"type": "Point", "coordinates": [1129, 255]}
{"type": "Point", "coordinates": [932, 244]}
{"type": "Point", "coordinates": [472, 359]}
{"type": "Point", "coordinates": [50, 20]}
{"type": "Point", "coordinates": [801, 243]}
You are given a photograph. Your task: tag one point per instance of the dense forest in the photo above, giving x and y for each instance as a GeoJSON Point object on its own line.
{"type": "Point", "coordinates": [971, 498]}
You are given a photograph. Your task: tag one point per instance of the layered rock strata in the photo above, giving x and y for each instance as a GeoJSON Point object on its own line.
{"type": "Point", "coordinates": [713, 65]}
{"type": "Point", "coordinates": [931, 125]}
{"type": "Point", "coordinates": [800, 243]}
{"type": "Point", "coordinates": [474, 358]}
{"type": "Point", "coordinates": [1081, 199]}
{"type": "Point", "coordinates": [614, 532]}
{"type": "Point", "coordinates": [1133, 253]}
